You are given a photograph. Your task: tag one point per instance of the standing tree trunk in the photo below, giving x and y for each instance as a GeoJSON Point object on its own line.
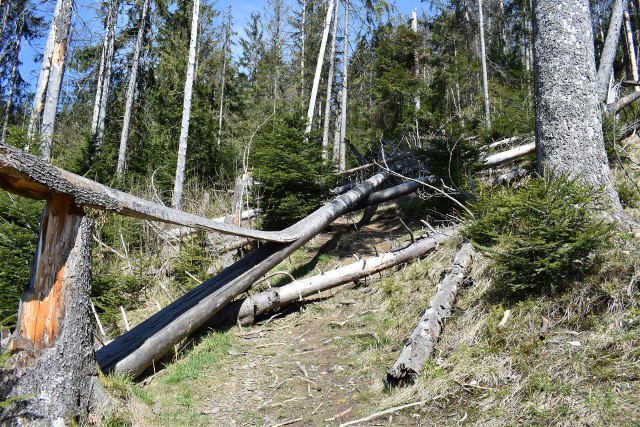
{"type": "Point", "coordinates": [416, 71]}
{"type": "Point", "coordinates": [302, 48]}
{"type": "Point", "coordinates": [53, 342]}
{"type": "Point", "coordinates": [43, 78]}
{"type": "Point", "coordinates": [609, 51]}
{"type": "Point", "coordinates": [131, 89]}
{"type": "Point", "coordinates": [224, 72]}
{"type": "Point", "coordinates": [186, 110]}
{"type": "Point", "coordinates": [485, 79]}
{"type": "Point", "coordinates": [104, 76]}
{"type": "Point", "coordinates": [316, 78]}
{"type": "Point", "coordinates": [327, 105]}
{"type": "Point", "coordinates": [343, 104]}
{"type": "Point", "coordinates": [568, 117]}
{"type": "Point", "coordinates": [631, 48]}
{"type": "Point", "coordinates": [12, 81]}
{"type": "Point", "coordinates": [62, 24]}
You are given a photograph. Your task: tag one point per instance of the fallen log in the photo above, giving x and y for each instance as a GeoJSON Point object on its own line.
{"type": "Point", "coordinates": [136, 350]}
{"type": "Point", "coordinates": [423, 339]}
{"type": "Point", "coordinates": [509, 155]}
{"type": "Point", "coordinates": [245, 311]}
{"type": "Point", "coordinates": [180, 232]}
{"type": "Point", "coordinates": [29, 176]}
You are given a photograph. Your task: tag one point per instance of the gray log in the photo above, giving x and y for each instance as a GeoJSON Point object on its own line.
{"type": "Point", "coordinates": [136, 350]}
{"type": "Point", "coordinates": [422, 341]}
{"type": "Point", "coordinates": [246, 310]}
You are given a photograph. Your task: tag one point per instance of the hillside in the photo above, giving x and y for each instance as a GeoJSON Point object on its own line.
{"type": "Point", "coordinates": [322, 362]}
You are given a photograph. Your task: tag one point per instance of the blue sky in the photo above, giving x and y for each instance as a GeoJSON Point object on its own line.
{"type": "Point", "coordinates": [88, 29]}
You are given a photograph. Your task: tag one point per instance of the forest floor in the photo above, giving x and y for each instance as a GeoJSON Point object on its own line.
{"type": "Point", "coordinates": [322, 362]}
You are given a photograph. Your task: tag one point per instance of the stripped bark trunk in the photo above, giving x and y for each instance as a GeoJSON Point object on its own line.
{"type": "Point", "coordinates": [318, 73]}
{"type": "Point", "coordinates": [631, 48]}
{"type": "Point", "coordinates": [568, 114]}
{"type": "Point", "coordinates": [176, 201]}
{"type": "Point", "coordinates": [343, 104]}
{"type": "Point", "coordinates": [136, 350]}
{"type": "Point", "coordinates": [131, 89]}
{"type": "Point", "coordinates": [62, 22]}
{"type": "Point", "coordinates": [327, 105]}
{"type": "Point", "coordinates": [245, 311]}
{"type": "Point", "coordinates": [422, 341]}
{"type": "Point", "coordinates": [302, 48]}
{"type": "Point", "coordinates": [609, 51]}
{"type": "Point", "coordinates": [104, 76]}
{"type": "Point", "coordinates": [416, 70]}
{"type": "Point", "coordinates": [224, 72]}
{"type": "Point", "coordinates": [53, 343]}
{"type": "Point", "coordinates": [483, 58]}
{"type": "Point", "coordinates": [43, 78]}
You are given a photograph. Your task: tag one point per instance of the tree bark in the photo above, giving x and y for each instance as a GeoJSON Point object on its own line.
{"type": "Point", "coordinates": [610, 46]}
{"type": "Point", "coordinates": [131, 89]}
{"type": "Point", "coordinates": [62, 23]}
{"type": "Point", "coordinates": [422, 341]}
{"type": "Point", "coordinates": [343, 104]}
{"type": "Point", "coordinates": [136, 350]}
{"type": "Point", "coordinates": [327, 105]}
{"type": "Point", "coordinates": [53, 343]}
{"type": "Point", "coordinates": [483, 58]}
{"type": "Point", "coordinates": [568, 115]}
{"type": "Point", "coordinates": [104, 76]}
{"type": "Point", "coordinates": [176, 201]}
{"type": "Point", "coordinates": [245, 311]}
{"type": "Point", "coordinates": [320, 61]}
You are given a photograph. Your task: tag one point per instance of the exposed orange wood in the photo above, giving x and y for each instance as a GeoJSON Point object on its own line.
{"type": "Point", "coordinates": [42, 305]}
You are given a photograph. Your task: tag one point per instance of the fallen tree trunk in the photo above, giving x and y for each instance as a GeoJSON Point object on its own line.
{"type": "Point", "coordinates": [422, 341]}
{"type": "Point", "coordinates": [180, 232]}
{"type": "Point", "coordinates": [509, 155]}
{"type": "Point", "coordinates": [136, 350]}
{"type": "Point", "coordinates": [245, 311]}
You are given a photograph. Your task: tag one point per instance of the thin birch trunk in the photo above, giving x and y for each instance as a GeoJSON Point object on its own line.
{"type": "Point", "coordinates": [62, 22]}
{"type": "Point", "coordinates": [483, 58]}
{"type": "Point", "coordinates": [302, 48]}
{"type": "Point", "coordinates": [631, 49]}
{"type": "Point", "coordinates": [343, 108]}
{"type": "Point", "coordinates": [186, 110]}
{"type": "Point", "coordinates": [104, 76]}
{"type": "Point", "coordinates": [12, 82]}
{"type": "Point", "coordinates": [609, 50]}
{"type": "Point", "coordinates": [224, 73]}
{"type": "Point", "coordinates": [327, 106]}
{"type": "Point", "coordinates": [124, 136]}
{"type": "Point", "coordinates": [316, 78]}
{"type": "Point", "coordinates": [43, 78]}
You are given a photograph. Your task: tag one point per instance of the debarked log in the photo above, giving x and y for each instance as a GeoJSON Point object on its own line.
{"type": "Point", "coordinates": [422, 341]}
{"type": "Point", "coordinates": [136, 350]}
{"type": "Point", "coordinates": [245, 311]}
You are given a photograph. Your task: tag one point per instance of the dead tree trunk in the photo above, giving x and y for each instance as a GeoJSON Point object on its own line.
{"type": "Point", "coordinates": [483, 58]}
{"type": "Point", "coordinates": [131, 89]}
{"type": "Point", "coordinates": [53, 343]}
{"type": "Point", "coordinates": [631, 48]}
{"type": "Point", "coordinates": [223, 83]}
{"type": "Point", "coordinates": [62, 22]}
{"type": "Point", "coordinates": [425, 336]}
{"type": "Point", "coordinates": [12, 81]}
{"type": "Point", "coordinates": [136, 350]}
{"type": "Point", "coordinates": [245, 311]}
{"type": "Point", "coordinates": [609, 51]}
{"type": "Point", "coordinates": [316, 78]}
{"type": "Point", "coordinates": [176, 201]}
{"type": "Point", "coordinates": [327, 104]}
{"type": "Point", "coordinates": [104, 76]}
{"type": "Point", "coordinates": [343, 104]}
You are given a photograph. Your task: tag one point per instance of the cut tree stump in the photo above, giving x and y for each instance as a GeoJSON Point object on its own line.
{"type": "Point", "coordinates": [425, 336]}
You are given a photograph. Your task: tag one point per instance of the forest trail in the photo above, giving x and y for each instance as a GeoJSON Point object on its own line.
{"type": "Point", "coordinates": [321, 362]}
